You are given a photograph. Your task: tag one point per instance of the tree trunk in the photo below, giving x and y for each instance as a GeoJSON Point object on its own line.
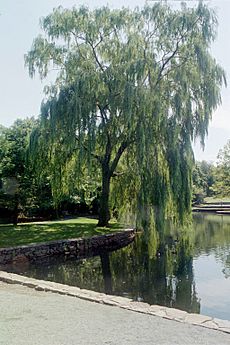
{"type": "Point", "coordinates": [104, 214]}
{"type": "Point", "coordinates": [106, 271]}
{"type": "Point", "coordinates": [15, 211]}
{"type": "Point", "coordinates": [107, 172]}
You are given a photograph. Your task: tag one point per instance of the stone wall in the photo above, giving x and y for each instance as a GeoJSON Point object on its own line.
{"type": "Point", "coordinates": [79, 247]}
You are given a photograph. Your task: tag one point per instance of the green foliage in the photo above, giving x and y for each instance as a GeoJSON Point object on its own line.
{"type": "Point", "coordinates": [20, 191]}
{"type": "Point", "coordinates": [203, 180]}
{"type": "Point", "coordinates": [222, 175]}
{"type": "Point", "coordinates": [14, 141]}
{"type": "Point", "coordinates": [134, 88]}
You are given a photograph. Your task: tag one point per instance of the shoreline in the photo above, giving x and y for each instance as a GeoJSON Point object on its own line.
{"type": "Point", "coordinates": [117, 301]}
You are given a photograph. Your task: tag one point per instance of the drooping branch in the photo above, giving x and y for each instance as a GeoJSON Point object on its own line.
{"type": "Point", "coordinates": [94, 155]}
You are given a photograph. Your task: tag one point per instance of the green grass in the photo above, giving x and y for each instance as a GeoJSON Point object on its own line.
{"type": "Point", "coordinates": [215, 199]}
{"type": "Point", "coordinates": [26, 233]}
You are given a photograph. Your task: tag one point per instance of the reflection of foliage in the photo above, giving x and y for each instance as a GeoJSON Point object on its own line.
{"type": "Point", "coordinates": [166, 278]}
{"type": "Point", "coordinates": [226, 270]}
{"type": "Point", "coordinates": [212, 236]}
{"type": "Point", "coordinates": [86, 273]}
{"type": "Point", "coordinates": [211, 232]}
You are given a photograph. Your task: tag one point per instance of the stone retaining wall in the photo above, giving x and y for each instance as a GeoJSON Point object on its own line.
{"type": "Point", "coordinates": [79, 247]}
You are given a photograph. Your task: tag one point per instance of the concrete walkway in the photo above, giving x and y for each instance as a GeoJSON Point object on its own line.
{"type": "Point", "coordinates": [30, 317]}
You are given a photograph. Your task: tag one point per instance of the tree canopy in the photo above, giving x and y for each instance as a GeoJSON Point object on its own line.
{"type": "Point", "coordinates": [14, 173]}
{"type": "Point", "coordinates": [19, 190]}
{"type": "Point", "coordinates": [222, 173]}
{"type": "Point", "coordinates": [203, 180]}
{"type": "Point", "coordinates": [133, 89]}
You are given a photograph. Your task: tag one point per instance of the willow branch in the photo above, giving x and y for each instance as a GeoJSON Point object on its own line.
{"type": "Point", "coordinates": [94, 155]}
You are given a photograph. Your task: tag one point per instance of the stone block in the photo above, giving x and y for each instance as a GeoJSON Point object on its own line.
{"type": "Point", "coordinates": [197, 319]}
{"type": "Point", "coordinates": [175, 314]}
{"type": "Point", "coordinates": [222, 323]}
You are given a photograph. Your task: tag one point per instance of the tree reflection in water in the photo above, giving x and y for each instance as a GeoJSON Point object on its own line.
{"type": "Point", "coordinates": [158, 274]}
{"type": "Point", "coordinates": [165, 279]}
{"type": "Point", "coordinates": [106, 271]}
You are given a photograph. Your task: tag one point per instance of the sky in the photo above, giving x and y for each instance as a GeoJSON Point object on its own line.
{"type": "Point", "coordinates": [21, 96]}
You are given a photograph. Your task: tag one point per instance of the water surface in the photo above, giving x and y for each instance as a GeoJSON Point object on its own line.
{"type": "Point", "coordinates": [191, 273]}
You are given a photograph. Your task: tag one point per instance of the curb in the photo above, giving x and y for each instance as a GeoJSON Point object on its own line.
{"type": "Point", "coordinates": [121, 302]}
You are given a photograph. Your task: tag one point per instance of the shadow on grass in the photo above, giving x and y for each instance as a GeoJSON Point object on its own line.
{"type": "Point", "coordinates": [27, 233]}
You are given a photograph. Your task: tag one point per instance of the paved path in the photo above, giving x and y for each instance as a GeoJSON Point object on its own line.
{"type": "Point", "coordinates": [30, 317]}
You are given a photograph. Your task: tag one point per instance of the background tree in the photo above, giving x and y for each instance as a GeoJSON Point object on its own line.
{"type": "Point", "coordinates": [20, 191]}
{"type": "Point", "coordinates": [134, 88]}
{"type": "Point", "coordinates": [14, 141]}
{"type": "Point", "coordinates": [203, 180]}
{"type": "Point", "coordinates": [222, 175]}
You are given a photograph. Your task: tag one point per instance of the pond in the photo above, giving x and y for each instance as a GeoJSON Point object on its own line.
{"type": "Point", "coordinates": [192, 273]}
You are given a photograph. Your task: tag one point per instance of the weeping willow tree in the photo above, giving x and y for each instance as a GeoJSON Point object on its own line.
{"type": "Point", "coordinates": [133, 90]}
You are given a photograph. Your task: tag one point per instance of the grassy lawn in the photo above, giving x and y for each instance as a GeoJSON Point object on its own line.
{"type": "Point", "coordinates": [26, 233]}
{"type": "Point", "coordinates": [215, 199]}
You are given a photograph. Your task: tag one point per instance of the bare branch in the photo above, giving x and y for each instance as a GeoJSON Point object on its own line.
{"type": "Point", "coordinates": [95, 56]}
{"type": "Point", "coordinates": [103, 113]}
{"type": "Point", "coordinates": [119, 153]}
{"type": "Point", "coordinates": [171, 56]}
{"type": "Point", "coordinates": [166, 62]}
